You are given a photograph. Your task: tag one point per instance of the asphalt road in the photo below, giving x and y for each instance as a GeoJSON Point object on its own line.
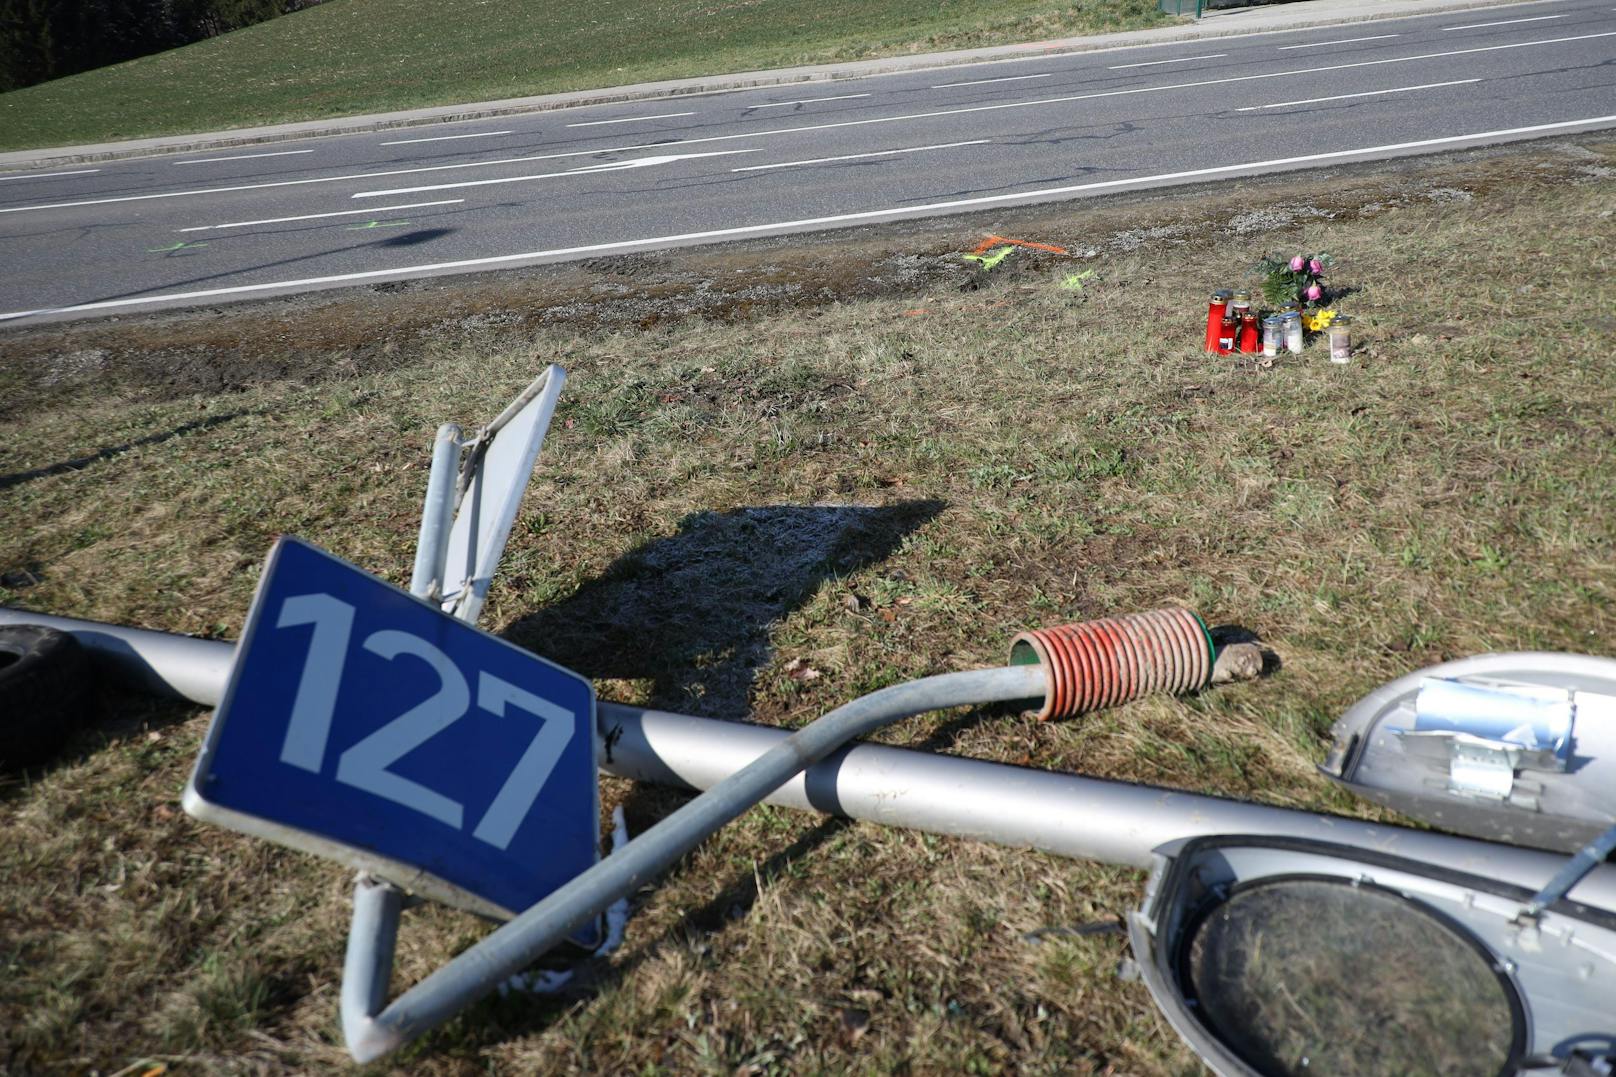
{"type": "Point", "coordinates": [207, 228]}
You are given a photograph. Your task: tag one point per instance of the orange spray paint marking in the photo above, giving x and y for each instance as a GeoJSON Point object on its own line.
{"type": "Point", "coordinates": [999, 241]}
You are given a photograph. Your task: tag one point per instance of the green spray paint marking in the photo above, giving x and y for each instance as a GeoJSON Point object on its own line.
{"type": "Point", "coordinates": [179, 246]}
{"type": "Point", "coordinates": [991, 259]}
{"type": "Point", "coordinates": [1073, 282]}
{"type": "Point", "coordinates": [375, 224]}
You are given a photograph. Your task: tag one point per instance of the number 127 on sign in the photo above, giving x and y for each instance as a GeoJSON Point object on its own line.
{"type": "Point", "coordinates": [365, 724]}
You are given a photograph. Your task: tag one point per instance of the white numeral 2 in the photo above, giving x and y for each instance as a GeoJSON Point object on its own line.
{"type": "Point", "coordinates": [364, 765]}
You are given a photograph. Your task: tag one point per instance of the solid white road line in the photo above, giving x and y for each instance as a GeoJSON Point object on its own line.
{"type": "Point", "coordinates": [858, 156]}
{"type": "Point", "coordinates": [444, 138]}
{"type": "Point", "coordinates": [1343, 41]}
{"type": "Point", "coordinates": [243, 157]}
{"type": "Point", "coordinates": [586, 170]}
{"type": "Point", "coordinates": [52, 175]}
{"type": "Point", "coordinates": [317, 216]}
{"type": "Point", "coordinates": [806, 128]}
{"type": "Point", "coordinates": [1180, 60]}
{"type": "Point", "coordinates": [1366, 93]}
{"type": "Point", "coordinates": [896, 212]}
{"type": "Point", "coordinates": [1504, 22]}
{"type": "Point", "coordinates": [809, 100]}
{"type": "Point", "coordinates": [632, 119]}
{"type": "Point", "coordinates": [984, 82]}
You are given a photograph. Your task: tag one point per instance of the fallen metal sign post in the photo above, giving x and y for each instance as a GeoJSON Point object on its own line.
{"type": "Point", "coordinates": [382, 673]}
{"type": "Point", "coordinates": [1542, 929]}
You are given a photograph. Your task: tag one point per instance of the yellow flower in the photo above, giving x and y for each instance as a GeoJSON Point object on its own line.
{"type": "Point", "coordinates": [1316, 321]}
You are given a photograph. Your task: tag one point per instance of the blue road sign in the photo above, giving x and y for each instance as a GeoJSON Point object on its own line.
{"type": "Point", "coordinates": [365, 724]}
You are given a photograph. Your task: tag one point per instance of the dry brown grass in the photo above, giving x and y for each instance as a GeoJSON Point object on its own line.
{"type": "Point", "coordinates": [1025, 455]}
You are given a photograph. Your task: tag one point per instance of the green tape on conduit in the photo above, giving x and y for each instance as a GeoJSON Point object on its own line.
{"type": "Point", "coordinates": [1207, 632]}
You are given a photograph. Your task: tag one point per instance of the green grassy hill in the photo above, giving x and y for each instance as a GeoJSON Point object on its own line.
{"type": "Point", "coordinates": [350, 57]}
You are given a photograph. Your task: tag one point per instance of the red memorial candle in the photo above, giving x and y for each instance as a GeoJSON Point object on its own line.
{"type": "Point", "coordinates": [1250, 338]}
{"type": "Point", "coordinates": [1214, 318]}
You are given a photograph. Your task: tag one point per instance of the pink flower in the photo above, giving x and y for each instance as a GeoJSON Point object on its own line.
{"type": "Point", "coordinates": [1316, 266]}
{"type": "Point", "coordinates": [1297, 263]}
{"type": "Point", "coordinates": [1314, 292]}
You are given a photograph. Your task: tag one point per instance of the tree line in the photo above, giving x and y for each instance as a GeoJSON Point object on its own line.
{"type": "Point", "coordinates": [47, 39]}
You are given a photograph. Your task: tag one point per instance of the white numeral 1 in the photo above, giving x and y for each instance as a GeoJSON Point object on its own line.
{"type": "Point", "coordinates": [316, 699]}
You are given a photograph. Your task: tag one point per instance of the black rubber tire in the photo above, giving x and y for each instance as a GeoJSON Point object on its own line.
{"type": "Point", "coordinates": [45, 686]}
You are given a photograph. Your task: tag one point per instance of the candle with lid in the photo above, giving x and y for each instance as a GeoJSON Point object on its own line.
{"type": "Point", "coordinates": [1215, 311]}
{"type": "Point", "coordinates": [1293, 333]}
{"type": "Point", "coordinates": [1341, 341]}
{"type": "Point", "coordinates": [1273, 334]}
{"type": "Point", "coordinates": [1249, 335]}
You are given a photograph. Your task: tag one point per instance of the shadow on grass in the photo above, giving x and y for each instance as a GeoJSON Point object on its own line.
{"type": "Point", "coordinates": [692, 613]}
{"type": "Point", "coordinates": [82, 462]}
{"type": "Point", "coordinates": [114, 717]}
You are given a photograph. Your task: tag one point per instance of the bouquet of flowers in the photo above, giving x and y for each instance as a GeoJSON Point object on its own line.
{"type": "Point", "coordinates": [1299, 279]}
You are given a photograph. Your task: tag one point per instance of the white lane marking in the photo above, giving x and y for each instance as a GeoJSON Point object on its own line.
{"type": "Point", "coordinates": [317, 216]}
{"type": "Point", "coordinates": [1503, 22]}
{"type": "Point", "coordinates": [52, 175]}
{"type": "Point", "coordinates": [857, 156]}
{"type": "Point", "coordinates": [1343, 41]}
{"type": "Point", "coordinates": [1367, 93]}
{"type": "Point", "coordinates": [803, 129]}
{"type": "Point", "coordinates": [242, 157]}
{"type": "Point", "coordinates": [653, 242]}
{"type": "Point", "coordinates": [586, 170]}
{"type": "Point", "coordinates": [984, 82]}
{"type": "Point", "coordinates": [1180, 60]}
{"type": "Point", "coordinates": [444, 138]}
{"type": "Point", "coordinates": [810, 100]}
{"type": "Point", "coordinates": [632, 119]}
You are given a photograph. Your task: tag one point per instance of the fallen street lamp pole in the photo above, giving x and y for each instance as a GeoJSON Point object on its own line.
{"type": "Point", "coordinates": [1021, 807]}
{"type": "Point", "coordinates": [1064, 814]}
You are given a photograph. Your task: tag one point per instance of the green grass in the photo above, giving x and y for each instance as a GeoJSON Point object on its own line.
{"type": "Point", "coordinates": [350, 57]}
{"type": "Point", "coordinates": [712, 495]}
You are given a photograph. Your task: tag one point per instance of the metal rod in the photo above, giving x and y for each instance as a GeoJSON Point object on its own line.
{"type": "Point", "coordinates": [1587, 858]}
{"type": "Point", "coordinates": [1065, 814]}
{"type": "Point", "coordinates": [162, 663]}
{"type": "Point", "coordinates": [437, 513]}
{"type": "Point", "coordinates": [372, 937]}
{"type": "Point", "coordinates": [373, 930]}
{"type": "Point", "coordinates": [479, 443]}
{"type": "Point", "coordinates": [517, 944]}
{"type": "Point", "coordinates": [482, 515]}
{"type": "Point", "coordinates": [534, 388]}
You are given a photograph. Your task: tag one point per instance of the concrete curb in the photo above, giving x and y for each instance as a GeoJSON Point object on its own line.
{"type": "Point", "coordinates": [1276, 18]}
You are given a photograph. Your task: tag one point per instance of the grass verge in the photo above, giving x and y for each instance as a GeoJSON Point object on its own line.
{"type": "Point", "coordinates": [870, 489]}
{"type": "Point", "coordinates": [351, 57]}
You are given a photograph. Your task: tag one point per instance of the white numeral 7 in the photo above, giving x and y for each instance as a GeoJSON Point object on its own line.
{"type": "Point", "coordinates": [521, 789]}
